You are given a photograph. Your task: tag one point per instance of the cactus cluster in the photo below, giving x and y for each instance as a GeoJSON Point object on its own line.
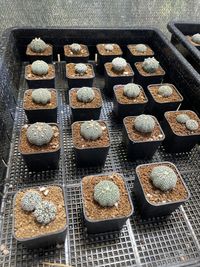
{"type": "Point", "coordinates": [106, 193]}
{"type": "Point", "coordinates": [39, 67]}
{"type": "Point", "coordinates": [131, 90]}
{"type": "Point", "coordinates": [150, 65]}
{"type": "Point", "coordinates": [91, 130]}
{"type": "Point", "coordinates": [163, 177]}
{"type": "Point", "coordinates": [41, 96]}
{"type": "Point", "coordinates": [81, 68]}
{"type": "Point", "coordinates": [144, 123]}
{"type": "Point", "coordinates": [39, 133]}
{"type": "Point", "coordinates": [141, 48]}
{"type": "Point", "coordinates": [196, 38]}
{"type": "Point", "coordinates": [30, 200]}
{"type": "Point", "coordinates": [45, 212]}
{"type": "Point", "coordinates": [85, 94]}
{"type": "Point", "coordinates": [109, 47]}
{"type": "Point", "coordinates": [119, 64]}
{"type": "Point", "coordinates": [165, 91]}
{"type": "Point", "coordinates": [38, 45]}
{"type": "Point", "coordinates": [192, 125]}
{"type": "Point", "coordinates": [182, 118]}
{"type": "Point", "coordinates": [75, 48]}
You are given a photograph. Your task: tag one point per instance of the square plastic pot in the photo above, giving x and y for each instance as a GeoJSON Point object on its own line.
{"type": "Point", "coordinates": [77, 58]}
{"type": "Point", "coordinates": [140, 149]}
{"type": "Point", "coordinates": [106, 225]}
{"type": "Point", "coordinates": [36, 161]}
{"type": "Point", "coordinates": [44, 240]}
{"type": "Point", "coordinates": [132, 59]}
{"type": "Point", "coordinates": [149, 209]}
{"type": "Point", "coordinates": [42, 115]}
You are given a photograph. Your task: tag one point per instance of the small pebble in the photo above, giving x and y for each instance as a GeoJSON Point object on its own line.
{"type": "Point", "coordinates": [42, 188]}
{"type": "Point", "coordinates": [5, 252]}
{"type": "Point", "coordinates": [2, 247]}
{"type": "Point", "coordinates": [46, 192]}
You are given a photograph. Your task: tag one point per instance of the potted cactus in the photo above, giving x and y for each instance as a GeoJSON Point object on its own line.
{"type": "Point", "coordinates": [159, 189]}
{"type": "Point", "coordinates": [195, 40]}
{"type": "Point", "coordinates": [41, 105]}
{"type": "Point", "coordinates": [85, 103]}
{"type": "Point", "coordinates": [91, 141]}
{"type": "Point", "coordinates": [39, 216]}
{"type": "Point", "coordinates": [182, 130]}
{"type": "Point", "coordinates": [142, 135]}
{"type": "Point", "coordinates": [106, 202]}
{"type": "Point", "coordinates": [40, 75]}
{"type": "Point", "coordinates": [106, 53]}
{"type": "Point", "coordinates": [129, 100]}
{"type": "Point", "coordinates": [40, 145]}
{"type": "Point", "coordinates": [76, 53]}
{"type": "Point", "coordinates": [148, 72]}
{"type": "Point", "coordinates": [117, 72]}
{"type": "Point", "coordinates": [138, 52]}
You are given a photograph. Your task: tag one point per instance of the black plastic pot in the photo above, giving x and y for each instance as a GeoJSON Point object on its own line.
{"type": "Point", "coordinates": [132, 59]}
{"type": "Point", "coordinates": [106, 225]}
{"type": "Point", "coordinates": [38, 56]}
{"type": "Point", "coordinates": [77, 58]}
{"type": "Point", "coordinates": [44, 240]}
{"type": "Point", "coordinates": [140, 149]}
{"type": "Point", "coordinates": [92, 156]}
{"type": "Point", "coordinates": [42, 115]}
{"type": "Point", "coordinates": [149, 209]}
{"type": "Point", "coordinates": [82, 114]}
{"type": "Point", "coordinates": [36, 161]}
{"type": "Point", "coordinates": [123, 110]}
{"type": "Point", "coordinates": [174, 143]}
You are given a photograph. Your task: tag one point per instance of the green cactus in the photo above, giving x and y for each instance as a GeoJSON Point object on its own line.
{"type": "Point", "coordinates": [165, 91]}
{"type": "Point", "coordinates": [144, 123]}
{"type": "Point", "coordinates": [81, 68]}
{"type": "Point", "coordinates": [192, 125]}
{"type": "Point", "coordinates": [182, 118]}
{"type": "Point", "coordinates": [41, 96]}
{"type": "Point", "coordinates": [85, 94]}
{"type": "Point", "coordinates": [39, 133]}
{"type": "Point", "coordinates": [91, 130]}
{"type": "Point", "coordinates": [119, 64]}
{"type": "Point", "coordinates": [131, 90]}
{"type": "Point", "coordinates": [196, 38]}
{"type": "Point", "coordinates": [45, 212]}
{"type": "Point", "coordinates": [75, 48]}
{"type": "Point", "coordinates": [39, 67]}
{"type": "Point", "coordinates": [141, 48]}
{"type": "Point", "coordinates": [30, 200]}
{"type": "Point", "coordinates": [38, 45]}
{"type": "Point", "coordinates": [150, 65]}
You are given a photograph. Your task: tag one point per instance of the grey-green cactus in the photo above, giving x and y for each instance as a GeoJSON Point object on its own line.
{"type": "Point", "coordinates": [38, 45]}
{"type": "Point", "coordinates": [163, 177]}
{"type": "Point", "coordinates": [144, 123]}
{"type": "Point", "coordinates": [85, 94]}
{"type": "Point", "coordinates": [91, 130]}
{"type": "Point", "coordinates": [131, 90]}
{"type": "Point", "coordinates": [39, 67]}
{"type": "Point", "coordinates": [150, 65]}
{"type": "Point", "coordinates": [165, 91]}
{"type": "Point", "coordinates": [30, 200]}
{"type": "Point", "coordinates": [182, 118]}
{"type": "Point", "coordinates": [141, 48]}
{"type": "Point", "coordinates": [39, 133]}
{"type": "Point", "coordinates": [192, 125]}
{"type": "Point", "coordinates": [196, 38]}
{"type": "Point", "coordinates": [45, 212]}
{"type": "Point", "coordinates": [75, 48]}
{"type": "Point", "coordinates": [119, 64]}
{"type": "Point", "coordinates": [81, 68]}
{"type": "Point", "coordinates": [109, 47]}
{"type": "Point", "coordinates": [41, 96]}
{"type": "Point", "coordinates": [106, 193]}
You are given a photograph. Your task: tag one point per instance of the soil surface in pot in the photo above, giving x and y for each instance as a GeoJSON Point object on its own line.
{"type": "Point", "coordinates": [123, 99]}
{"type": "Point", "coordinates": [158, 72]}
{"type": "Point", "coordinates": [29, 104]}
{"type": "Point", "coordinates": [29, 75]}
{"type": "Point", "coordinates": [96, 212]}
{"type": "Point", "coordinates": [71, 73]}
{"type": "Point", "coordinates": [25, 224]}
{"type": "Point", "coordinates": [180, 128]}
{"type": "Point", "coordinates": [134, 52]}
{"type": "Point", "coordinates": [175, 97]}
{"type": "Point", "coordinates": [134, 135]}
{"type": "Point", "coordinates": [155, 195]}
{"type": "Point", "coordinates": [115, 52]}
{"type": "Point", "coordinates": [47, 52]}
{"type": "Point", "coordinates": [80, 142]}
{"type": "Point", "coordinates": [127, 72]}
{"type": "Point", "coordinates": [95, 103]}
{"type": "Point", "coordinates": [26, 147]}
{"type": "Point", "coordinates": [82, 53]}
{"type": "Point", "coordinates": [190, 40]}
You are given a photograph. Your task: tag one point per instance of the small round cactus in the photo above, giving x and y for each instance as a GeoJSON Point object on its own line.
{"type": "Point", "coordinates": [30, 200]}
{"type": "Point", "coordinates": [39, 67]}
{"type": "Point", "coordinates": [165, 91]}
{"type": "Point", "coordinates": [38, 45]}
{"type": "Point", "coordinates": [196, 38]}
{"type": "Point", "coordinates": [39, 133]}
{"type": "Point", "coordinates": [81, 68]}
{"type": "Point", "coordinates": [106, 193]}
{"type": "Point", "coordinates": [45, 212]}
{"type": "Point", "coordinates": [131, 90]}
{"type": "Point", "coordinates": [85, 94]}
{"type": "Point", "coordinates": [41, 96]}
{"type": "Point", "coordinates": [192, 125]}
{"type": "Point", "coordinates": [119, 64]}
{"type": "Point", "coordinates": [182, 118]}
{"type": "Point", "coordinates": [141, 48]}
{"type": "Point", "coordinates": [109, 47]}
{"type": "Point", "coordinates": [91, 130]}
{"type": "Point", "coordinates": [150, 65]}
{"type": "Point", "coordinates": [144, 123]}
{"type": "Point", "coordinates": [163, 177]}
{"type": "Point", "coordinates": [75, 48]}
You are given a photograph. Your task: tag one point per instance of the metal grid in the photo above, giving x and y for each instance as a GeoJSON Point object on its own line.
{"type": "Point", "coordinates": [171, 242]}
